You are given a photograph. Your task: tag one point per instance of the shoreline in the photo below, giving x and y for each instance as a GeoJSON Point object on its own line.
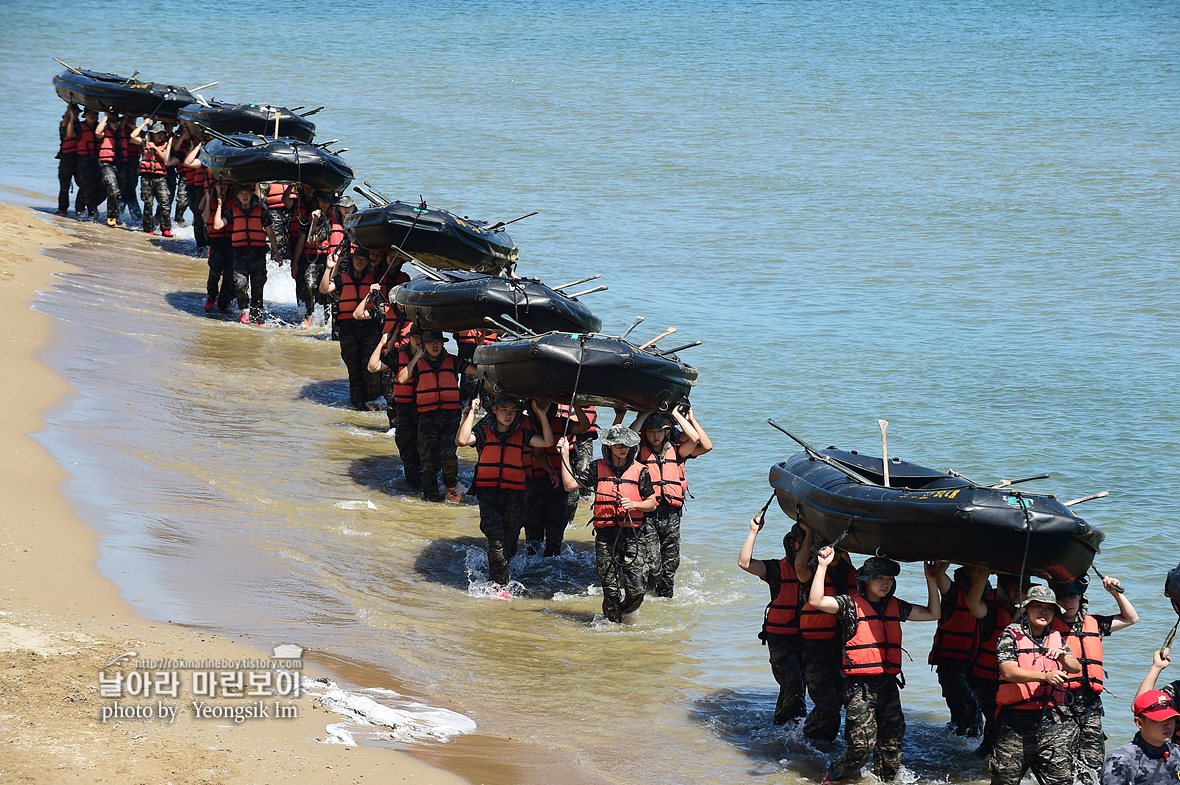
{"type": "Point", "coordinates": [62, 621]}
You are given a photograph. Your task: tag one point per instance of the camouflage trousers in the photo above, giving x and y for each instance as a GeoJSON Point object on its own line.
{"type": "Point", "coordinates": [663, 549]}
{"type": "Point", "coordinates": [786, 665]}
{"type": "Point", "coordinates": [501, 516]}
{"type": "Point", "coordinates": [406, 438]}
{"type": "Point", "coordinates": [953, 677]}
{"type": "Point", "coordinates": [436, 449]}
{"type": "Point", "coordinates": [281, 221]}
{"type": "Point", "coordinates": [67, 171]}
{"type": "Point", "coordinates": [157, 202]}
{"type": "Point", "coordinates": [249, 274]}
{"type": "Point", "coordinates": [825, 681]}
{"type": "Point", "coordinates": [1031, 739]}
{"type": "Point", "coordinates": [90, 187]}
{"type": "Point", "coordinates": [129, 186]}
{"type": "Point", "coordinates": [985, 696]}
{"type": "Point", "coordinates": [873, 725]}
{"type": "Point", "coordinates": [110, 183]}
{"type": "Point", "coordinates": [544, 518]}
{"type": "Point", "coordinates": [358, 339]}
{"type": "Point", "coordinates": [220, 284]}
{"type": "Point", "coordinates": [619, 557]}
{"type": "Point", "coordinates": [1083, 713]}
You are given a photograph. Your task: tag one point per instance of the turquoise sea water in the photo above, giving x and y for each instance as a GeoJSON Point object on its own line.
{"type": "Point", "coordinates": [960, 217]}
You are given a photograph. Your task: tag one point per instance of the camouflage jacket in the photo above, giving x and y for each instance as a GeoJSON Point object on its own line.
{"type": "Point", "coordinates": [1130, 765]}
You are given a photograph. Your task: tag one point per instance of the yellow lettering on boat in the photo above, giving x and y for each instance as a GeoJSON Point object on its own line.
{"type": "Point", "coordinates": [948, 494]}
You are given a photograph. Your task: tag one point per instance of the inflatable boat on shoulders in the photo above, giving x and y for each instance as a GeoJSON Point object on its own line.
{"type": "Point", "coordinates": [452, 301]}
{"type": "Point", "coordinates": [241, 158]}
{"type": "Point", "coordinates": [121, 94]}
{"type": "Point", "coordinates": [601, 370]}
{"type": "Point", "coordinates": [928, 515]}
{"type": "Point", "coordinates": [257, 119]}
{"type": "Point", "coordinates": [434, 236]}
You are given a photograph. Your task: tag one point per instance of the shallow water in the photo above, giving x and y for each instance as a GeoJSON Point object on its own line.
{"type": "Point", "coordinates": [961, 219]}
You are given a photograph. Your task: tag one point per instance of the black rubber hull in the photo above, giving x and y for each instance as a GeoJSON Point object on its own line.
{"type": "Point", "coordinates": [465, 299]}
{"type": "Point", "coordinates": [257, 119]}
{"type": "Point", "coordinates": [438, 237]}
{"type": "Point", "coordinates": [613, 372]}
{"type": "Point", "coordinates": [937, 517]}
{"type": "Point", "coordinates": [118, 94]}
{"type": "Point", "coordinates": [275, 160]}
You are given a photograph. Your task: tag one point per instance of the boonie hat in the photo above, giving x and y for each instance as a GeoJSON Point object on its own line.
{"type": "Point", "coordinates": [431, 335]}
{"type": "Point", "coordinates": [1155, 705]}
{"type": "Point", "coordinates": [156, 128]}
{"type": "Point", "coordinates": [1043, 594]}
{"type": "Point", "coordinates": [620, 434]}
{"type": "Point", "coordinates": [878, 567]}
{"type": "Point", "coordinates": [1071, 588]}
{"type": "Point", "coordinates": [345, 201]}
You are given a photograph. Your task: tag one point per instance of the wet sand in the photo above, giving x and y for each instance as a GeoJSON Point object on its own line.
{"type": "Point", "coordinates": [61, 621]}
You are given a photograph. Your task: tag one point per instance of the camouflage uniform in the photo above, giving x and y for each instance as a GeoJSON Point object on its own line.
{"type": "Point", "coordinates": [157, 202]}
{"type": "Point", "coordinates": [1027, 739]}
{"type": "Point", "coordinates": [1138, 763]}
{"type": "Point", "coordinates": [873, 720]}
{"type": "Point", "coordinates": [406, 438]}
{"type": "Point", "coordinates": [663, 546]}
{"type": "Point", "coordinates": [619, 557]}
{"type": "Point", "coordinates": [501, 516]}
{"type": "Point", "coordinates": [108, 173]}
{"type": "Point", "coordinates": [785, 649]}
{"type": "Point", "coordinates": [220, 284]}
{"type": "Point", "coordinates": [954, 677]}
{"type": "Point", "coordinates": [825, 686]}
{"type": "Point", "coordinates": [1083, 708]}
{"type": "Point", "coordinates": [544, 521]}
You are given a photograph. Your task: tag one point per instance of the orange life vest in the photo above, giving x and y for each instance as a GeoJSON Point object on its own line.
{"type": "Point", "coordinates": [151, 163]}
{"type": "Point", "coordinates": [782, 614]}
{"type": "Point", "coordinates": [556, 424]}
{"type": "Point", "coordinates": [352, 290]}
{"type": "Point", "coordinates": [194, 177]}
{"type": "Point", "coordinates": [274, 196]}
{"type": "Point", "coordinates": [225, 231]}
{"type": "Point", "coordinates": [875, 647]}
{"type": "Point", "coordinates": [437, 388]}
{"type": "Point", "coordinates": [502, 460]}
{"type": "Point", "coordinates": [128, 150]}
{"type": "Point", "coordinates": [610, 490]}
{"type": "Point", "coordinates": [1086, 645]}
{"type": "Point", "coordinates": [957, 636]}
{"type": "Point", "coordinates": [108, 146]}
{"type": "Point", "coordinates": [985, 666]}
{"type": "Point", "coordinates": [68, 146]}
{"type": "Point", "coordinates": [1034, 695]}
{"type": "Point", "coordinates": [814, 624]}
{"type": "Point", "coordinates": [403, 393]}
{"type": "Point", "coordinates": [87, 142]}
{"type": "Point", "coordinates": [246, 228]}
{"type": "Point", "coordinates": [667, 473]}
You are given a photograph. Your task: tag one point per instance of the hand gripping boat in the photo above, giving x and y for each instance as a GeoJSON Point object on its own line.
{"type": "Point", "coordinates": [603, 371]}
{"type": "Point", "coordinates": [929, 515]}
{"type": "Point", "coordinates": [434, 236]}
{"type": "Point", "coordinates": [455, 301]}
{"type": "Point", "coordinates": [120, 94]}
{"type": "Point", "coordinates": [241, 158]}
{"type": "Point", "coordinates": [257, 119]}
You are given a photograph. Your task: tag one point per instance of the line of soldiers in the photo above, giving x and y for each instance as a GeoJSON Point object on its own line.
{"type": "Point", "coordinates": [109, 158]}
{"type": "Point", "coordinates": [1020, 666]}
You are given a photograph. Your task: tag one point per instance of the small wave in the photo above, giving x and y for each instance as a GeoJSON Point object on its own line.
{"type": "Point", "coordinates": [353, 504]}
{"type": "Point", "coordinates": [348, 531]}
{"type": "Point", "coordinates": [407, 721]}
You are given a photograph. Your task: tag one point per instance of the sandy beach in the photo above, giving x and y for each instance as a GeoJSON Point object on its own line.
{"type": "Point", "coordinates": [61, 622]}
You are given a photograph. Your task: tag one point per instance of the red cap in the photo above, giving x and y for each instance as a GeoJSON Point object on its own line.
{"type": "Point", "coordinates": [1155, 705]}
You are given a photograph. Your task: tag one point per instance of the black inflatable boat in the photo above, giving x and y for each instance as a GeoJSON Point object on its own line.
{"type": "Point", "coordinates": [604, 371]}
{"type": "Point", "coordinates": [120, 94]}
{"type": "Point", "coordinates": [257, 119]}
{"type": "Point", "coordinates": [930, 515]}
{"type": "Point", "coordinates": [435, 236]}
{"type": "Point", "coordinates": [462, 300]}
{"type": "Point", "coordinates": [275, 160]}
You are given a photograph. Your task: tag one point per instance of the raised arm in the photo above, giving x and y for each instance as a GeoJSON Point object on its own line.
{"type": "Point", "coordinates": [567, 477]}
{"type": "Point", "coordinates": [545, 437]}
{"type": "Point", "coordinates": [1159, 661]}
{"type": "Point", "coordinates": [689, 444]}
{"type": "Point", "coordinates": [465, 437]}
{"type": "Point", "coordinates": [407, 371]}
{"type": "Point", "coordinates": [376, 364]}
{"type": "Point", "coordinates": [933, 609]}
{"type": "Point", "coordinates": [803, 554]}
{"type": "Point", "coordinates": [1127, 613]}
{"type": "Point", "coordinates": [745, 560]}
{"type": "Point", "coordinates": [704, 445]}
{"type": "Point", "coordinates": [974, 600]}
{"type": "Point", "coordinates": [817, 598]}
{"type": "Point", "coordinates": [326, 284]}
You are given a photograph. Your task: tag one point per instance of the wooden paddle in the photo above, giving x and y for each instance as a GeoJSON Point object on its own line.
{"type": "Point", "coordinates": [884, 450]}
{"type": "Point", "coordinates": [69, 67]}
{"type": "Point", "coordinates": [1089, 498]}
{"type": "Point", "coordinates": [662, 335]}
